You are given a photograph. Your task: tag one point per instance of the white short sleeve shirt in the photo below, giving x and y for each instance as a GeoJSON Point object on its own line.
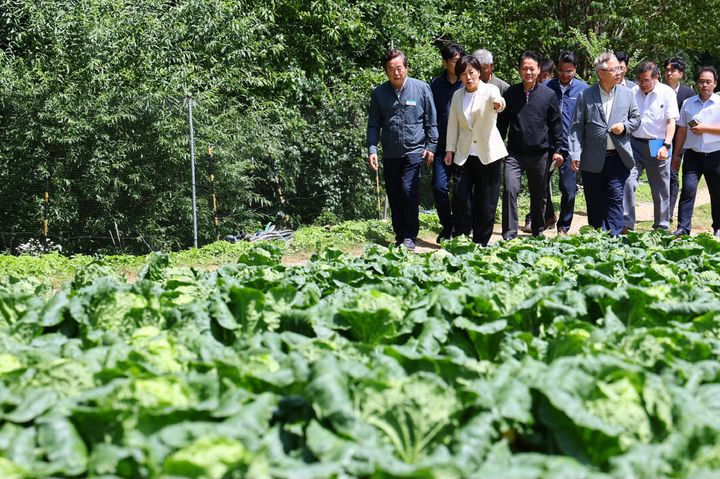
{"type": "Point", "coordinates": [656, 108]}
{"type": "Point", "coordinates": [690, 108]}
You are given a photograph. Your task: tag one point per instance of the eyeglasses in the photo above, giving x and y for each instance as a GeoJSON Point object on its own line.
{"type": "Point", "coordinates": [704, 82]}
{"type": "Point", "coordinates": [613, 69]}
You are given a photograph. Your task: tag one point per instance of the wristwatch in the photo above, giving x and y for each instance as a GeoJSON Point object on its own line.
{"type": "Point", "coordinates": [667, 145]}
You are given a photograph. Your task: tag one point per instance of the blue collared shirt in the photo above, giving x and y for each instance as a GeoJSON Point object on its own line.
{"type": "Point", "coordinates": [567, 102]}
{"type": "Point", "coordinates": [404, 123]}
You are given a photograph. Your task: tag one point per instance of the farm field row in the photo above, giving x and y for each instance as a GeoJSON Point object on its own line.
{"type": "Point", "coordinates": [578, 357]}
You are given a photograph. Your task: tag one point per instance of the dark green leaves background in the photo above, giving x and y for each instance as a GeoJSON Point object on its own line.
{"type": "Point", "coordinates": [92, 94]}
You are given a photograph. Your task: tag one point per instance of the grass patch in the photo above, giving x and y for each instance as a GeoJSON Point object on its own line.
{"type": "Point", "coordinates": [58, 269]}
{"type": "Point", "coordinates": [347, 236]}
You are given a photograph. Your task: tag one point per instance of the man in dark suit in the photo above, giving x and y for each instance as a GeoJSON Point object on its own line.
{"type": "Point", "coordinates": [599, 145]}
{"type": "Point", "coordinates": [674, 72]}
{"type": "Point", "coordinates": [443, 88]}
{"type": "Point", "coordinates": [486, 70]}
{"type": "Point", "coordinates": [531, 121]}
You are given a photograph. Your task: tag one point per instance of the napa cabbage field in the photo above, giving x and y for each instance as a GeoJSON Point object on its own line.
{"type": "Point", "coordinates": [580, 357]}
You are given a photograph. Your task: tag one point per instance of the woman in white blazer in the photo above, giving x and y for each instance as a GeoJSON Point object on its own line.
{"type": "Point", "coordinates": [475, 145]}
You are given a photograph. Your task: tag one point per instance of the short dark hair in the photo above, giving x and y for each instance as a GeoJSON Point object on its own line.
{"type": "Point", "coordinates": [676, 64]}
{"type": "Point", "coordinates": [706, 68]}
{"type": "Point", "coordinates": [647, 67]}
{"type": "Point", "coordinates": [393, 54]}
{"type": "Point", "coordinates": [466, 61]}
{"type": "Point", "coordinates": [449, 50]}
{"type": "Point", "coordinates": [622, 57]}
{"type": "Point", "coordinates": [529, 56]}
{"type": "Point", "coordinates": [547, 65]}
{"type": "Point", "coordinates": [566, 56]}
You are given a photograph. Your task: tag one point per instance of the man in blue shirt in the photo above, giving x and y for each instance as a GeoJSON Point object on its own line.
{"type": "Point", "coordinates": [443, 88]}
{"type": "Point", "coordinates": [402, 118]}
{"type": "Point", "coordinates": [566, 88]}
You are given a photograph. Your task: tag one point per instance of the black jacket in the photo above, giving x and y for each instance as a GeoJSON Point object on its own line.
{"type": "Point", "coordinates": [533, 124]}
{"type": "Point", "coordinates": [443, 91]}
{"type": "Point", "coordinates": [684, 92]}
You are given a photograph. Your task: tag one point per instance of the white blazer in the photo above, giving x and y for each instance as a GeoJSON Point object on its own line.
{"type": "Point", "coordinates": [483, 134]}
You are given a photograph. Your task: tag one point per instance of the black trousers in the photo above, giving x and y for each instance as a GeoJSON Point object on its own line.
{"type": "Point", "coordinates": [694, 166]}
{"type": "Point", "coordinates": [536, 168]}
{"type": "Point", "coordinates": [481, 185]}
{"type": "Point", "coordinates": [402, 178]}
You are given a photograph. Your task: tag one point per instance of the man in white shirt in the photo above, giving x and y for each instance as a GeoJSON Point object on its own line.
{"type": "Point", "coordinates": [652, 144]}
{"type": "Point", "coordinates": [699, 134]}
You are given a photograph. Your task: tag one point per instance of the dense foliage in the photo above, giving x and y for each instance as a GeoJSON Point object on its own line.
{"type": "Point", "coordinates": [581, 357]}
{"type": "Point", "coordinates": [93, 97]}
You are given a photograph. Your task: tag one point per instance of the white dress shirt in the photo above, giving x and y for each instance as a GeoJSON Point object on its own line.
{"type": "Point", "coordinates": [690, 108]}
{"type": "Point", "coordinates": [656, 108]}
{"type": "Point", "coordinates": [607, 100]}
{"type": "Point", "coordinates": [468, 111]}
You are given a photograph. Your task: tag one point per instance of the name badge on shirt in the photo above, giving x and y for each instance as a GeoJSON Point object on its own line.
{"type": "Point", "coordinates": [410, 103]}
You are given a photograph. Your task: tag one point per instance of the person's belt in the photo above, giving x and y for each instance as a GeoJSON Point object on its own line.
{"type": "Point", "coordinates": [611, 153]}
{"type": "Point", "coordinates": [642, 140]}
{"type": "Point", "coordinates": [705, 155]}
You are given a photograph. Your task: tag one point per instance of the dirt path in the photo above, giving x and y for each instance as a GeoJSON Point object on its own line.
{"type": "Point", "coordinates": [643, 212]}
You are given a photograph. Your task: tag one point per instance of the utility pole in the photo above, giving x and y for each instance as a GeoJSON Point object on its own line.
{"type": "Point", "coordinates": [216, 221]}
{"type": "Point", "coordinates": [46, 212]}
{"type": "Point", "coordinates": [192, 169]}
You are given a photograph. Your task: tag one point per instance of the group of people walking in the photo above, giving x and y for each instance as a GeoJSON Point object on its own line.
{"type": "Point", "coordinates": [468, 123]}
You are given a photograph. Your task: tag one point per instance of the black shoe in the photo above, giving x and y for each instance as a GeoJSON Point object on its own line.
{"type": "Point", "coordinates": [527, 228]}
{"type": "Point", "coordinates": [443, 236]}
{"type": "Point", "coordinates": [680, 232]}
